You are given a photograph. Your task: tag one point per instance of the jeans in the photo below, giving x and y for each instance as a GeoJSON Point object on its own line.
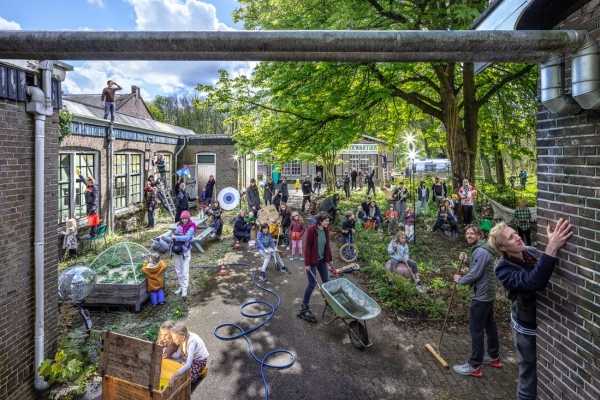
{"type": "Point", "coordinates": [353, 184]}
{"type": "Point", "coordinates": [305, 199]}
{"type": "Point", "coordinates": [348, 238]}
{"type": "Point", "coordinates": [109, 108]}
{"type": "Point", "coordinates": [157, 297]}
{"type": "Point", "coordinates": [400, 206]}
{"type": "Point", "coordinates": [482, 323]}
{"type": "Point", "coordinates": [526, 360]}
{"type": "Point", "coordinates": [525, 235]}
{"type": "Point", "coordinates": [182, 269]}
{"type": "Point", "coordinates": [347, 191]}
{"type": "Point", "coordinates": [151, 217]}
{"type": "Point", "coordinates": [311, 275]}
{"type": "Point", "coordinates": [467, 214]}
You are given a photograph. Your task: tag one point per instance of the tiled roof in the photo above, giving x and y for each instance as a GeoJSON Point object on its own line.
{"type": "Point", "coordinates": [81, 109]}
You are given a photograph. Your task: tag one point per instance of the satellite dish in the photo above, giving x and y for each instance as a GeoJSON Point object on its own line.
{"type": "Point", "coordinates": [229, 198]}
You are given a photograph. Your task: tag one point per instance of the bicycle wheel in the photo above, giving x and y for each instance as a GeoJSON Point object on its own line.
{"type": "Point", "coordinates": [348, 252]}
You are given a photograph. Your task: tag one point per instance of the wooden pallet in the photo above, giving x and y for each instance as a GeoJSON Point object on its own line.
{"type": "Point", "coordinates": [113, 294]}
{"type": "Point", "coordinates": [133, 369]}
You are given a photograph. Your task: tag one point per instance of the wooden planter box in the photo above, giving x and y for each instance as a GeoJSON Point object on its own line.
{"type": "Point", "coordinates": [111, 294]}
{"type": "Point", "coordinates": [133, 369]}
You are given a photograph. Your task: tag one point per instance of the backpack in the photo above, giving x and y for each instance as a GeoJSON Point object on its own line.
{"type": "Point", "coordinates": [178, 247]}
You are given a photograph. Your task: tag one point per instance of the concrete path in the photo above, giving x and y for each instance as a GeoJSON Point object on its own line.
{"type": "Point", "coordinates": [327, 366]}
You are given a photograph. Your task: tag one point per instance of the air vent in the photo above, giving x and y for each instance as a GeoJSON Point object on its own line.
{"type": "Point", "coordinates": [552, 88]}
{"type": "Point", "coordinates": [585, 76]}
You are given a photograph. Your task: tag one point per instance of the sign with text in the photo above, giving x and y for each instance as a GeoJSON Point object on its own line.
{"type": "Point", "coordinates": [361, 148]}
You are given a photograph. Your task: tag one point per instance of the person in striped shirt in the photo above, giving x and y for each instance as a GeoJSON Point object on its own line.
{"type": "Point", "coordinates": [522, 220]}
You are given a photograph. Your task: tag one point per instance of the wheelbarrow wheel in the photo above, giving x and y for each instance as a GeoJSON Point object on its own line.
{"type": "Point", "coordinates": [358, 335]}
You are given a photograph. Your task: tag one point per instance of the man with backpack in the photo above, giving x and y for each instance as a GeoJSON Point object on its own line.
{"type": "Point", "coordinates": [482, 279]}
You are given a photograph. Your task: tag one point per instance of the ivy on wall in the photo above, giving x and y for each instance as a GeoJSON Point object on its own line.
{"type": "Point", "coordinates": [65, 118]}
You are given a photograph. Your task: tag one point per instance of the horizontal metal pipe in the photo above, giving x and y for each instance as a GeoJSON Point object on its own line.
{"type": "Point", "coordinates": [290, 45]}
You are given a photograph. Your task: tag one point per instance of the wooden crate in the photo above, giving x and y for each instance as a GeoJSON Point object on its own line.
{"type": "Point", "coordinates": [111, 294]}
{"type": "Point", "coordinates": [133, 369]}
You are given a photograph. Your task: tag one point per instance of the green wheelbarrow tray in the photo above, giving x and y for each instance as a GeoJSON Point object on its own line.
{"type": "Point", "coordinates": [351, 305]}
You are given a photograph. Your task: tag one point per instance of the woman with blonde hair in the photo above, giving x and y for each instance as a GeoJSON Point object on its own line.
{"type": "Point", "coordinates": [165, 340]}
{"type": "Point", "coordinates": [524, 271]}
{"type": "Point", "coordinates": [191, 351]}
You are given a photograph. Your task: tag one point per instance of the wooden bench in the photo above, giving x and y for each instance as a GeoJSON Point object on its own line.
{"type": "Point", "coordinates": [199, 238]}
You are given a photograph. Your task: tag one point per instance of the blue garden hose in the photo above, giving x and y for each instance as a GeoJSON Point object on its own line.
{"type": "Point", "coordinates": [271, 309]}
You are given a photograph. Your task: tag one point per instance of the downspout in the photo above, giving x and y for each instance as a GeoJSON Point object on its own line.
{"type": "Point", "coordinates": [40, 105]}
{"type": "Point", "coordinates": [185, 139]}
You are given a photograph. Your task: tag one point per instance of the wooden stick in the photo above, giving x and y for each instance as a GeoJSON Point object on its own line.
{"type": "Point", "coordinates": [460, 265]}
{"type": "Point", "coordinates": [436, 355]}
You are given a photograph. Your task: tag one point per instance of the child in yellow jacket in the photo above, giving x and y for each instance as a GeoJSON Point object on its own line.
{"type": "Point", "coordinates": [154, 269]}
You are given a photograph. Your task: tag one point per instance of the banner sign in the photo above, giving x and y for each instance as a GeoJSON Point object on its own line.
{"type": "Point", "coordinates": [361, 148]}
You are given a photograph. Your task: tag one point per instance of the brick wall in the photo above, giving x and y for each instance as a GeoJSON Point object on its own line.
{"type": "Point", "coordinates": [226, 166]}
{"type": "Point", "coordinates": [17, 302]}
{"type": "Point", "coordinates": [87, 143]}
{"type": "Point", "coordinates": [569, 187]}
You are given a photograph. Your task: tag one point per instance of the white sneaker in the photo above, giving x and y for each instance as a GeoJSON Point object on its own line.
{"type": "Point", "coordinates": [178, 291]}
{"type": "Point", "coordinates": [291, 258]}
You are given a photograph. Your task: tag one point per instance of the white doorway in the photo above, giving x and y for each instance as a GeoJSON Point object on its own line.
{"type": "Point", "coordinates": [206, 165]}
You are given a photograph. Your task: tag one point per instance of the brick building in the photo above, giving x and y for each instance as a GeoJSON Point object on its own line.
{"type": "Point", "coordinates": [568, 149]}
{"type": "Point", "coordinates": [17, 294]}
{"type": "Point", "coordinates": [137, 141]}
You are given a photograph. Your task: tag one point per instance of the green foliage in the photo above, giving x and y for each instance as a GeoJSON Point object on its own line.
{"type": "Point", "coordinates": [189, 112]}
{"type": "Point", "coordinates": [507, 196]}
{"type": "Point", "coordinates": [151, 333]}
{"type": "Point", "coordinates": [65, 118]}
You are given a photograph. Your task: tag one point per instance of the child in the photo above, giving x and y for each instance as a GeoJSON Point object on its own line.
{"type": "Point", "coordinates": [165, 340]}
{"type": "Point", "coordinates": [191, 351]}
{"type": "Point", "coordinates": [349, 227]}
{"type": "Point", "coordinates": [267, 248]}
{"type": "Point", "coordinates": [217, 222]}
{"type": "Point", "coordinates": [409, 224]}
{"type": "Point", "coordinates": [296, 233]}
{"type": "Point", "coordinates": [398, 251]}
{"type": "Point", "coordinates": [487, 220]}
{"type": "Point", "coordinates": [70, 242]}
{"type": "Point", "coordinates": [297, 185]}
{"type": "Point", "coordinates": [154, 269]}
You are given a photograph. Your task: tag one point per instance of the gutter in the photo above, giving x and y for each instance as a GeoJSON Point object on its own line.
{"type": "Point", "coordinates": [40, 106]}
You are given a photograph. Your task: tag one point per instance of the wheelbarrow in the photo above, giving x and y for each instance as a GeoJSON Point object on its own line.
{"type": "Point", "coordinates": [348, 303]}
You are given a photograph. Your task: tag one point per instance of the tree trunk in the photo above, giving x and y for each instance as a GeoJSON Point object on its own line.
{"type": "Point", "coordinates": [499, 161]}
{"type": "Point", "coordinates": [486, 167]}
{"type": "Point", "coordinates": [329, 170]}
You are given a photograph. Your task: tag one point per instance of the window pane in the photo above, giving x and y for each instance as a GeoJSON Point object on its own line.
{"type": "Point", "coordinates": [64, 168]}
{"type": "Point", "coordinates": [120, 190]}
{"type": "Point", "coordinates": [135, 166]}
{"type": "Point", "coordinates": [205, 159]}
{"type": "Point", "coordinates": [135, 187]}
{"type": "Point", "coordinates": [120, 164]}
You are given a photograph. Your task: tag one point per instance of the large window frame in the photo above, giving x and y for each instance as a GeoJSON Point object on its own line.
{"type": "Point", "coordinates": [71, 191]}
{"type": "Point", "coordinates": [127, 175]}
{"type": "Point", "coordinates": [360, 162]}
{"type": "Point", "coordinates": [292, 168]}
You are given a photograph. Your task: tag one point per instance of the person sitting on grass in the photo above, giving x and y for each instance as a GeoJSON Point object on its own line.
{"type": "Point", "coordinates": [391, 218]}
{"type": "Point", "coordinates": [361, 215]}
{"type": "Point", "coordinates": [191, 352]}
{"type": "Point", "coordinates": [216, 220]}
{"type": "Point", "coordinates": [241, 229]}
{"type": "Point", "coordinates": [154, 269]}
{"type": "Point", "coordinates": [398, 251]}
{"type": "Point", "coordinates": [374, 214]}
{"type": "Point", "coordinates": [482, 279]}
{"type": "Point", "coordinates": [409, 224]}
{"type": "Point", "coordinates": [165, 340]}
{"type": "Point", "coordinates": [267, 248]}
{"type": "Point", "coordinates": [442, 218]}
{"type": "Point", "coordinates": [522, 220]}
{"type": "Point", "coordinates": [349, 227]}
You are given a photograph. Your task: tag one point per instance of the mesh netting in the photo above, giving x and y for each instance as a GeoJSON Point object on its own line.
{"type": "Point", "coordinates": [76, 283]}
{"type": "Point", "coordinates": [121, 263]}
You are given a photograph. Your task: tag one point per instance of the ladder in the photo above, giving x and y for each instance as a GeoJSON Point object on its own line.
{"type": "Point", "coordinates": [164, 195]}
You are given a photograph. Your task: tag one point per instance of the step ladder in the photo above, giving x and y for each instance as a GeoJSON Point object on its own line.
{"type": "Point", "coordinates": [164, 195]}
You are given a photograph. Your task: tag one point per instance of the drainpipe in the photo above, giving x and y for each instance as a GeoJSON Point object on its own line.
{"type": "Point", "coordinates": [185, 139]}
{"type": "Point", "coordinates": [40, 105]}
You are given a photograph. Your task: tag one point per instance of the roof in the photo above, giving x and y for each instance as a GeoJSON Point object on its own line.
{"type": "Point", "coordinates": [79, 107]}
{"type": "Point", "coordinates": [485, 13]}
{"type": "Point", "coordinates": [374, 139]}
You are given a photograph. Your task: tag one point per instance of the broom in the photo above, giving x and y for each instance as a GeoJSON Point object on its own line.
{"type": "Point", "coordinates": [428, 346]}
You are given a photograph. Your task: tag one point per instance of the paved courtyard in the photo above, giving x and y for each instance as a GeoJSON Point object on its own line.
{"type": "Point", "coordinates": [327, 366]}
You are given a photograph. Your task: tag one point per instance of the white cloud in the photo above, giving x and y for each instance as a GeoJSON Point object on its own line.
{"type": "Point", "coordinates": [98, 3]}
{"type": "Point", "coordinates": [158, 77]}
{"type": "Point", "coordinates": [9, 25]}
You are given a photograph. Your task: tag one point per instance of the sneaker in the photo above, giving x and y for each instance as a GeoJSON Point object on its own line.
{"type": "Point", "coordinates": [283, 268]}
{"type": "Point", "coordinates": [492, 362]}
{"type": "Point", "coordinates": [291, 258]}
{"type": "Point", "coordinates": [262, 276]}
{"type": "Point", "coordinates": [178, 291]}
{"type": "Point", "coordinates": [467, 370]}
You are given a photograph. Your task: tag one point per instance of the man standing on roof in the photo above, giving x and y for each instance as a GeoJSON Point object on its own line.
{"type": "Point", "coordinates": [108, 97]}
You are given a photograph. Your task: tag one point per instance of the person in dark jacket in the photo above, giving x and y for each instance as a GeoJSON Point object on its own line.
{"type": "Point", "coordinates": [283, 190]}
{"type": "Point", "coordinates": [318, 182]}
{"type": "Point", "coordinates": [374, 214]}
{"type": "Point", "coordinates": [317, 255]}
{"type": "Point", "coordinates": [306, 192]}
{"type": "Point", "coordinates": [347, 185]}
{"type": "Point", "coordinates": [150, 200]}
{"type": "Point", "coordinates": [439, 191]}
{"type": "Point", "coordinates": [371, 182]}
{"type": "Point", "coordinates": [268, 192]}
{"type": "Point", "coordinates": [181, 202]}
{"type": "Point", "coordinates": [482, 279]}
{"type": "Point", "coordinates": [209, 188]}
{"type": "Point", "coordinates": [241, 229]}
{"type": "Point", "coordinates": [329, 205]}
{"type": "Point", "coordinates": [215, 212]}
{"type": "Point", "coordinates": [349, 227]}
{"type": "Point", "coordinates": [91, 202]}
{"type": "Point", "coordinates": [523, 271]}
{"type": "Point", "coordinates": [286, 220]}
{"type": "Point", "coordinates": [161, 166]}
{"type": "Point", "coordinates": [252, 196]}
{"type": "Point", "coordinates": [422, 196]}
{"type": "Point", "coordinates": [353, 177]}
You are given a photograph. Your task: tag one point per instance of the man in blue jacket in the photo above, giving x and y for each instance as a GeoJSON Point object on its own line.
{"type": "Point", "coordinates": [524, 271]}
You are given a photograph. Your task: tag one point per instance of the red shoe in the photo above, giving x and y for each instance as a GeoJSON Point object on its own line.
{"type": "Point", "coordinates": [494, 363]}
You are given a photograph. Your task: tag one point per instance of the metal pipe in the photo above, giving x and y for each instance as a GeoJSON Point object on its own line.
{"type": "Point", "coordinates": [360, 46]}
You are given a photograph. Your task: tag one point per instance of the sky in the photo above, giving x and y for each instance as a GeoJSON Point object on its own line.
{"type": "Point", "coordinates": [153, 77]}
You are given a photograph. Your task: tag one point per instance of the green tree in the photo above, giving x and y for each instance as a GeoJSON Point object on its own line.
{"type": "Point", "coordinates": [305, 100]}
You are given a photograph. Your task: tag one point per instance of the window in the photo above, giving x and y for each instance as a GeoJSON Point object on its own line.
{"type": "Point", "coordinates": [71, 190]}
{"type": "Point", "coordinates": [292, 168]}
{"type": "Point", "coordinates": [359, 162]}
{"type": "Point", "coordinates": [168, 171]}
{"type": "Point", "coordinates": [205, 159]}
{"type": "Point", "coordinates": [127, 172]}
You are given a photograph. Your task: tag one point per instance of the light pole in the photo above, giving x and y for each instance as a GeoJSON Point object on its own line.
{"type": "Point", "coordinates": [412, 154]}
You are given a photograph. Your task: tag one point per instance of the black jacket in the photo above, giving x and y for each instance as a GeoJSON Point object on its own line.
{"type": "Point", "coordinates": [91, 198]}
{"type": "Point", "coordinates": [241, 228]}
{"type": "Point", "coordinates": [306, 187]}
{"type": "Point", "coordinates": [182, 201]}
{"type": "Point", "coordinates": [253, 197]}
{"type": "Point", "coordinates": [283, 189]}
{"type": "Point", "coordinates": [420, 195]}
{"type": "Point", "coordinates": [353, 175]}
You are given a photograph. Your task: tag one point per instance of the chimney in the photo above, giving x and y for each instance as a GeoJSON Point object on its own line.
{"type": "Point", "coordinates": [136, 91]}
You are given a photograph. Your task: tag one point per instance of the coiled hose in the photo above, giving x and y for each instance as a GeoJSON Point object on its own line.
{"type": "Point", "coordinates": [271, 309]}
